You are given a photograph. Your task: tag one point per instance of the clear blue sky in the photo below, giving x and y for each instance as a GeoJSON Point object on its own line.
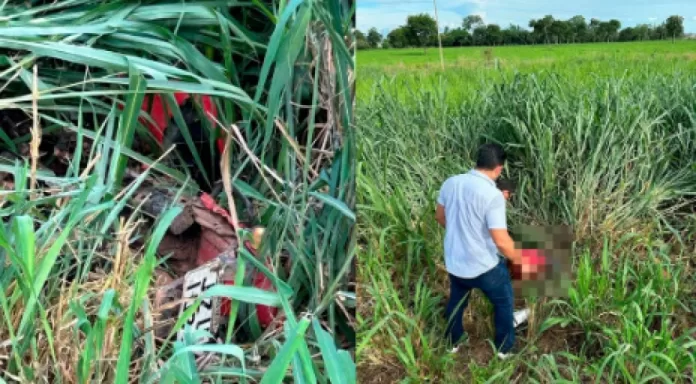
{"type": "Point", "coordinates": [386, 15]}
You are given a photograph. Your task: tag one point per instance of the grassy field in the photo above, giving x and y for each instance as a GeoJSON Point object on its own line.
{"type": "Point", "coordinates": [81, 256]}
{"type": "Point", "coordinates": [601, 137]}
{"type": "Point", "coordinates": [456, 57]}
{"type": "Point", "coordinates": [473, 67]}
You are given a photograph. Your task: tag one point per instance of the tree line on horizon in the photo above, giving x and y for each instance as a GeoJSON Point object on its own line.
{"type": "Point", "coordinates": [421, 31]}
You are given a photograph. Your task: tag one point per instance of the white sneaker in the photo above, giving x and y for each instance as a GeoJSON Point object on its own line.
{"type": "Point", "coordinates": [503, 356]}
{"type": "Point", "coordinates": [455, 349]}
{"type": "Point", "coordinates": [520, 316]}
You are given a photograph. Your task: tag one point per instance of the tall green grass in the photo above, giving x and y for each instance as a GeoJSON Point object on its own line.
{"type": "Point", "coordinates": [611, 153]}
{"type": "Point", "coordinates": [75, 291]}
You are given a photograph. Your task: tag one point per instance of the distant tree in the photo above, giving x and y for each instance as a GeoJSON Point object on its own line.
{"type": "Point", "coordinates": [471, 22]}
{"type": "Point", "coordinates": [447, 40]}
{"type": "Point", "coordinates": [461, 37]}
{"type": "Point", "coordinates": [608, 30]}
{"type": "Point", "coordinates": [421, 30]}
{"type": "Point", "coordinates": [613, 29]}
{"type": "Point", "coordinates": [595, 30]}
{"type": "Point", "coordinates": [457, 37]}
{"type": "Point", "coordinates": [479, 36]}
{"type": "Point", "coordinates": [494, 35]}
{"type": "Point", "coordinates": [675, 27]}
{"type": "Point", "coordinates": [361, 40]}
{"type": "Point", "coordinates": [628, 34]}
{"type": "Point", "coordinates": [578, 28]}
{"type": "Point", "coordinates": [659, 32]}
{"type": "Point", "coordinates": [546, 24]}
{"type": "Point", "coordinates": [537, 34]}
{"type": "Point", "coordinates": [603, 31]}
{"type": "Point", "coordinates": [542, 27]}
{"type": "Point", "coordinates": [398, 38]}
{"type": "Point", "coordinates": [374, 38]}
{"type": "Point", "coordinates": [514, 34]}
{"type": "Point", "coordinates": [560, 30]}
{"type": "Point", "coordinates": [642, 32]}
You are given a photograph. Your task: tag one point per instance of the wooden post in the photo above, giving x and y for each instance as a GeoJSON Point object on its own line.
{"type": "Point", "coordinates": [439, 39]}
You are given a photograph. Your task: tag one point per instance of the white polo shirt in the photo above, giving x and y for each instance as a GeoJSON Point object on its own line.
{"type": "Point", "coordinates": [473, 205]}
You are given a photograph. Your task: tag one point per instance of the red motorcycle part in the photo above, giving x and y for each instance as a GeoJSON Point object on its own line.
{"type": "Point", "coordinates": [212, 245]}
{"type": "Point", "coordinates": [161, 114]}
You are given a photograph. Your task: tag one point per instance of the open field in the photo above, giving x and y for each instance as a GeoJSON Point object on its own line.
{"type": "Point", "coordinates": [469, 69]}
{"type": "Point", "coordinates": [601, 137]}
{"type": "Point", "coordinates": [415, 58]}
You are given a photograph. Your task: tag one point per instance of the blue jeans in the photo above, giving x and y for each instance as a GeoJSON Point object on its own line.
{"type": "Point", "coordinates": [497, 287]}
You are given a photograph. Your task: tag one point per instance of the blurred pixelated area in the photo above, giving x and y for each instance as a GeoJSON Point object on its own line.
{"type": "Point", "coordinates": [549, 248]}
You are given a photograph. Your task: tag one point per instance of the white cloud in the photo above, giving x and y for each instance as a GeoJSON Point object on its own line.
{"type": "Point", "coordinates": [694, 17]}
{"type": "Point", "coordinates": [652, 18]}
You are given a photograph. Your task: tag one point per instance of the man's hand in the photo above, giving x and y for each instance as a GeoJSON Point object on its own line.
{"type": "Point", "coordinates": [530, 267]}
{"type": "Point", "coordinates": [528, 270]}
{"type": "Point", "coordinates": [506, 245]}
{"type": "Point", "coordinates": [440, 215]}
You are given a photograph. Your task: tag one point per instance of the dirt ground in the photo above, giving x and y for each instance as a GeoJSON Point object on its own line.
{"type": "Point", "coordinates": [380, 373]}
{"type": "Point", "coordinates": [478, 348]}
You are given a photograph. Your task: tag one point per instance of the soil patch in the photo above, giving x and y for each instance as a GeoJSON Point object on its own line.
{"type": "Point", "coordinates": [380, 373]}
{"type": "Point", "coordinates": [558, 339]}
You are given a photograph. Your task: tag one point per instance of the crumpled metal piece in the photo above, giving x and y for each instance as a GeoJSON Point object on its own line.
{"type": "Point", "coordinates": [214, 236]}
{"type": "Point", "coordinates": [215, 239]}
{"type": "Point", "coordinates": [217, 234]}
{"type": "Point", "coordinates": [183, 221]}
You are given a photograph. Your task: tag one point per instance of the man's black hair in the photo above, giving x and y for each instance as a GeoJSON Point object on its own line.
{"type": "Point", "coordinates": [490, 156]}
{"type": "Point", "coordinates": [506, 185]}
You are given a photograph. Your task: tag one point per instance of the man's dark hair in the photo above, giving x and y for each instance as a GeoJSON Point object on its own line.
{"type": "Point", "coordinates": [506, 185]}
{"type": "Point", "coordinates": [490, 156]}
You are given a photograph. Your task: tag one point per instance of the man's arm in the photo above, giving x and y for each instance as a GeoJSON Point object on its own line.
{"type": "Point", "coordinates": [440, 215]}
{"type": "Point", "coordinates": [506, 245]}
{"type": "Point", "coordinates": [496, 221]}
{"type": "Point", "coordinates": [441, 200]}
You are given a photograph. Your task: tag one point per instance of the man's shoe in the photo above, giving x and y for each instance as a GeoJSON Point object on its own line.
{"type": "Point", "coordinates": [510, 353]}
{"type": "Point", "coordinates": [455, 348]}
{"type": "Point", "coordinates": [520, 316]}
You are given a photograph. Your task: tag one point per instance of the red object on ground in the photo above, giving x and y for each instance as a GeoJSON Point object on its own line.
{"type": "Point", "coordinates": [213, 245]}
{"type": "Point", "coordinates": [162, 115]}
{"type": "Point", "coordinates": [529, 257]}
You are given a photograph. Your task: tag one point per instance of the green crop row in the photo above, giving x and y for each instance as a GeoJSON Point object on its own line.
{"type": "Point", "coordinates": [607, 147]}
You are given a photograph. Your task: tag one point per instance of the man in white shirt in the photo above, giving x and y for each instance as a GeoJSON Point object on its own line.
{"type": "Point", "coordinates": [472, 210]}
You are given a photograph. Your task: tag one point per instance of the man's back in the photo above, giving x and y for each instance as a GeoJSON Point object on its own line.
{"type": "Point", "coordinates": [473, 205]}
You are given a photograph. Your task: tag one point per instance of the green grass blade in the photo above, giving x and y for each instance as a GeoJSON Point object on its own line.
{"type": "Point", "coordinates": [142, 282]}
{"type": "Point", "coordinates": [129, 118]}
{"type": "Point", "coordinates": [278, 368]}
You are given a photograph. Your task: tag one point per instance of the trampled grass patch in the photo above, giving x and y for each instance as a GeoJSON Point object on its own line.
{"type": "Point", "coordinates": [605, 145]}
